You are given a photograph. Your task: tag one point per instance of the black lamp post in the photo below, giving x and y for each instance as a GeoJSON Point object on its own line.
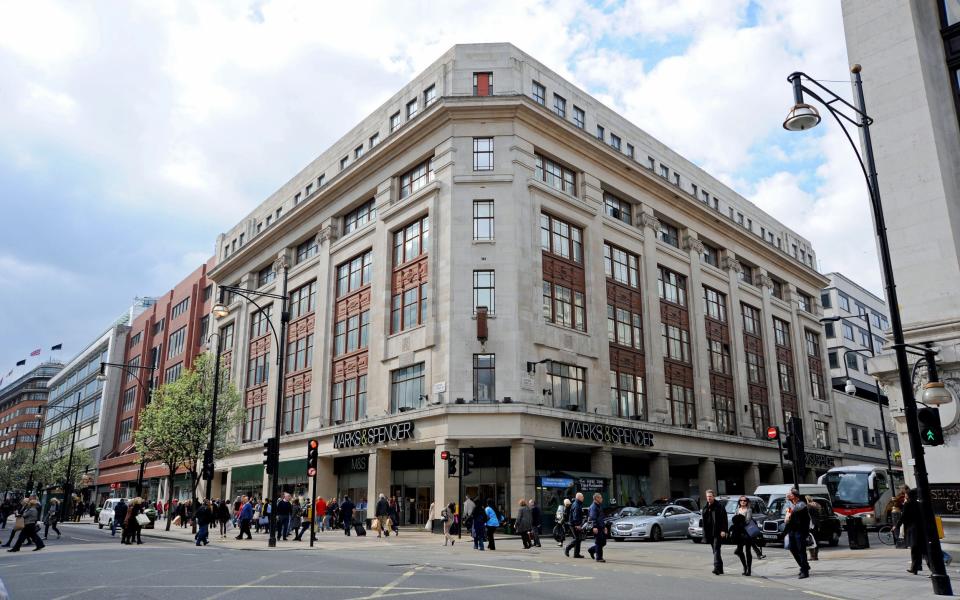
{"type": "Point", "coordinates": [804, 116]}
{"type": "Point", "coordinates": [220, 310]}
{"type": "Point", "coordinates": [147, 395]}
{"type": "Point", "coordinates": [68, 484]}
{"type": "Point", "coordinates": [208, 453]}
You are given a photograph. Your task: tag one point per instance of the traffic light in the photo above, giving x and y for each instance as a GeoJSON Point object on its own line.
{"type": "Point", "coordinates": [469, 463]}
{"type": "Point", "coordinates": [313, 447]}
{"type": "Point", "coordinates": [931, 431]}
{"type": "Point", "coordinates": [207, 472]}
{"type": "Point", "coordinates": [788, 448]}
{"type": "Point", "coordinates": [451, 467]}
{"type": "Point", "coordinates": [795, 451]}
{"type": "Point", "coordinates": [270, 447]}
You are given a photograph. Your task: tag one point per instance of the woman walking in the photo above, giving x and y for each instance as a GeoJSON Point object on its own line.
{"type": "Point", "coordinates": [743, 508]}
{"type": "Point", "coordinates": [447, 515]}
{"type": "Point", "coordinates": [53, 516]}
{"type": "Point", "coordinates": [524, 523]}
{"type": "Point", "coordinates": [223, 517]}
{"type": "Point", "coordinates": [479, 525]}
{"type": "Point", "coordinates": [914, 534]}
{"type": "Point", "coordinates": [393, 514]}
{"type": "Point", "coordinates": [131, 526]}
{"type": "Point", "coordinates": [537, 522]}
{"type": "Point", "coordinates": [739, 535]}
{"type": "Point", "coordinates": [30, 515]}
{"type": "Point", "coordinates": [492, 523]}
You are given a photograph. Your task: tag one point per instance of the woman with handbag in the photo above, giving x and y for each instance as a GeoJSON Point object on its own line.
{"type": "Point", "coordinates": [31, 514]}
{"type": "Point", "coordinates": [739, 535]}
{"type": "Point", "coordinates": [132, 526]}
{"type": "Point", "coordinates": [753, 531]}
{"type": "Point", "coordinates": [53, 516]}
{"type": "Point", "coordinates": [17, 522]}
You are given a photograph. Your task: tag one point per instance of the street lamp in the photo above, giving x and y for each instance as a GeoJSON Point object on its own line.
{"type": "Point", "coordinates": [208, 454]}
{"type": "Point", "coordinates": [801, 118]}
{"type": "Point", "coordinates": [220, 310]}
{"type": "Point", "coordinates": [68, 483]}
{"type": "Point", "coordinates": [147, 392]}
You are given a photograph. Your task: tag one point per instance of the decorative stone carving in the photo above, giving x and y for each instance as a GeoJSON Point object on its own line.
{"type": "Point", "coordinates": [281, 263]}
{"type": "Point", "coordinates": [648, 220]}
{"type": "Point", "coordinates": [766, 281]}
{"type": "Point", "coordinates": [732, 264]}
{"type": "Point", "coordinates": [330, 233]}
{"type": "Point", "coordinates": [694, 244]}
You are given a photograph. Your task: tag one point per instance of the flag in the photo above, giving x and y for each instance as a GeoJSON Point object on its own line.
{"type": "Point", "coordinates": [35, 352]}
{"type": "Point", "coordinates": [20, 363]}
{"type": "Point", "coordinates": [57, 347]}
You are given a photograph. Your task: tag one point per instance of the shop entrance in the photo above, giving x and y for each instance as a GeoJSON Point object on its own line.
{"type": "Point", "coordinates": [412, 485]}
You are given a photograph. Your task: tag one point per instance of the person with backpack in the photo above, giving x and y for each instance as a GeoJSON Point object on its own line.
{"type": "Point", "coordinates": [561, 519]}
{"type": "Point", "coordinates": [447, 515]}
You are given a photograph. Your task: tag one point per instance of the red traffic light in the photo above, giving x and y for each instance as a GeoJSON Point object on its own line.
{"type": "Point", "coordinates": [773, 433]}
{"type": "Point", "coordinates": [314, 444]}
{"type": "Point", "coordinates": [444, 455]}
{"type": "Point", "coordinates": [311, 472]}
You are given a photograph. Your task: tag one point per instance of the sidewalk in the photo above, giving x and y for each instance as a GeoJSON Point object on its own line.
{"type": "Point", "coordinates": [854, 574]}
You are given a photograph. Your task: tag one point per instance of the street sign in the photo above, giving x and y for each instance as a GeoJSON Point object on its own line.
{"type": "Point", "coordinates": [773, 433]}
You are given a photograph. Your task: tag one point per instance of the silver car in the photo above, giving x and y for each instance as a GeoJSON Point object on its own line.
{"type": "Point", "coordinates": [652, 523]}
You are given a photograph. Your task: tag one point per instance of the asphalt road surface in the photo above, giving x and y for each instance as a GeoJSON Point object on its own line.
{"type": "Point", "coordinates": [88, 564]}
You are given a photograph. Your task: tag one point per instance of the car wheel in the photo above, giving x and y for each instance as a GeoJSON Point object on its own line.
{"type": "Point", "coordinates": [656, 535]}
{"type": "Point", "coordinates": [835, 538]}
{"type": "Point", "coordinates": [618, 539]}
{"type": "Point", "coordinates": [697, 540]}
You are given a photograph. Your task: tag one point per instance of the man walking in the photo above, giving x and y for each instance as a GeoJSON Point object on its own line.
{"type": "Point", "coordinates": [119, 514]}
{"type": "Point", "coordinates": [246, 515]}
{"type": "Point", "coordinates": [714, 529]}
{"type": "Point", "coordinates": [203, 516]}
{"type": "Point", "coordinates": [346, 514]}
{"type": "Point", "coordinates": [283, 516]}
{"type": "Point", "coordinates": [382, 513]}
{"type": "Point", "coordinates": [797, 528]}
{"type": "Point", "coordinates": [599, 531]}
{"type": "Point", "coordinates": [576, 525]}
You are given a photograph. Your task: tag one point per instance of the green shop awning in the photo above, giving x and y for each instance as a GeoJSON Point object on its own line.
{"type": "Point", "coordinates": [247, 473]}
{"type": "Point", "coordinates": [294, 468]}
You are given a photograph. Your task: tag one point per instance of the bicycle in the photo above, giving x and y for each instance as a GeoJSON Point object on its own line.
{"type": "Point", "coordinates": [885, 533]}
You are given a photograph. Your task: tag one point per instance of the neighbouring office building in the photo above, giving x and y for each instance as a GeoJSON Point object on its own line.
{"type": "Point", "coordinates": [165, 338]}
{"type": "Point", "coordinates": [910, 53]}
{"type": "Point", "coordinates": [22, 402]}
{"type": "Point", "coordinates": [495, 261]}
{"type": "Point", "coordinates": [79, 400]}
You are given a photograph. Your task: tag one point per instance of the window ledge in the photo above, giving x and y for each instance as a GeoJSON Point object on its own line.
{"type": "Point", "coordinates": [484, 242]}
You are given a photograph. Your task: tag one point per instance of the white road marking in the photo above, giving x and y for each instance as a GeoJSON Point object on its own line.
{"type": "Point", "coordinates": [244, 585]}
{"type": "Point", "coordinates": [829, 597]}
{"type": "Point", "coordinates": [383, 590]}
{"type": "Point", "coordinates": [78, 592]}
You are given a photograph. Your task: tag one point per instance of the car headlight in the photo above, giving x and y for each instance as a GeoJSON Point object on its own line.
{"type": "Point", "coordinates": [693, 521]}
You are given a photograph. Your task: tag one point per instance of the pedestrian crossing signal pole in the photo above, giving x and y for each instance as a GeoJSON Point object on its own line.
{"type": "Point", "coordinates": [452, 471]}
{"type": "Point", "coordinates": [313, 447]}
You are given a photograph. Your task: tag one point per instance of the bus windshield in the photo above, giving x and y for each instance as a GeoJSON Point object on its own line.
{"type": "Point", "coordinates": [849, 489]}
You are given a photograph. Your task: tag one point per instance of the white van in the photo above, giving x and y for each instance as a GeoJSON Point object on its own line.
{"type": "Point", "coordinates": [106, 513]}
{"type": "Point", "coordinates": [770, 493]}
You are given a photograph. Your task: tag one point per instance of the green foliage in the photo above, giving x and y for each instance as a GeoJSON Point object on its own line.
{"type": "Point", "coordinates": [15, 470]}
{"type": "Point", "coordinates": [53, 458]}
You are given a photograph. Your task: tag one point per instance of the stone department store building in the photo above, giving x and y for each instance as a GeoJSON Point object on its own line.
{"type": "Point", "coordinates": [644, 324]}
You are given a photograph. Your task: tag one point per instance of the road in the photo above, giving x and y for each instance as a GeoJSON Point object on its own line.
{"type": "Point", "coordinates": [87, 563]}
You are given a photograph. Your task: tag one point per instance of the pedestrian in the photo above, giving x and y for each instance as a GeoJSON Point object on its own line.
{"type": "Point", "coordinates": [223, 517]}
{"type": "Point", "coordinates": [561, 518]}
{"type": "Point", "coordinates": [18, 512]}
{"type": "Point", "coordinates": [306, 517]}
{"type": "Point", "coordinates": [346, 514]}
{"type": "Point", "coordinates": [478, 519]}
{"type": "Point", "coordinates": [576, 525]}
{"type": "Point", "coordinates": [31, 514]}
{"type": "Point", "coordinates": [53, 516]}
{"type": "Point", "coordinates": [203, 516]}
{"type": "Point", "coordinates": [493, 521]}
{"type": "Point", "coordinates": [284, 511]}
{"type": "Point", "coordinates": [320, 510]}
{"type": "Point", "coordinates": [596, 518]}
{"type": "Point", "coordinates": [331, 513]}
{"type": "Point", "coordinates": [896, 512]}
{"type": "Point", "coordinates": [739, 535]}
{"type": "Point", "coordinates": [815, 514]}
{"type": "Point", "coordinates": [119, 514]}
{"type": "Point", "coordinates": [913, 533]}
{"type": "Point", "coordinates": [537, 522]}
{"type": "Point", "coordinates": [131, 528]}
{"type": "Point", "coordinates": [524, 523]}
{"type": "Point", "coordinates": [743, 508]}
{"type": "Point", "coordinates": [797, 528]}
{"type": "Point", "coordinates": [447, 515]}
{"type": "Point", "coordinates": [468, 506]}
{"type": "Point", "coordinates": [714, 529]}
{"type": "Point", "coordinates": [382, 514]}
{"type": "Point", "coordinates": [244, 518]}
{"type": "Point", "coordinates": [296, 517]}
{"type": "Point", "coordinates": [393, 516]}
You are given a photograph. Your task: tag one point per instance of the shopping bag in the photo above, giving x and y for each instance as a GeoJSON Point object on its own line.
{"type": "Point", "coordinates": [786, 542]}
{"type": "Point", "coordinates": [388, 524]}
{"type": "Point", "coordinates": [176, 520]}
{"type": "Point", "coordinates": [143, 520]}
{"type": "Point", "coordinates": [753, 530]}
{"type": "Point", "coordinates": [375, 524]}
{"type": "Point", "coordinates": [18, 524]}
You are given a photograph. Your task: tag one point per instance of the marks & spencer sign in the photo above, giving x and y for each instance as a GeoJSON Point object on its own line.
{"type": "Point", "coordinates": [373, 436]}
{"type": "Point", "coordinates": [606, 434]}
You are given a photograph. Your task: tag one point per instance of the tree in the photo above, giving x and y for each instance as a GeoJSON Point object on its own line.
{"type": "Point", "coordinates": [54, 457]}
{"type": "Point", "coordinates": [15, 470]}
{"type": "Point", "coordinates": [174, 428]}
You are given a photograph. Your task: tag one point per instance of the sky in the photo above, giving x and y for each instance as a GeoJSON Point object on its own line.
{"type": "Point", "coordinates": [132, 133]}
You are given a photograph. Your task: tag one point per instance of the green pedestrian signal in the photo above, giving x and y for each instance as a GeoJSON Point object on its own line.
{"type": "Point", "coordinates": [931, 431]}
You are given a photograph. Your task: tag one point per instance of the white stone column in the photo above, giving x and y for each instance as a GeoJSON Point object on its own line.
{"type": "Point", "coordinates": [738, 357]}
{"type": "Point", "coordinates": [707, 477]}
{"type": "Point", "coordinates": [379, 472]}
{"type": "Point", "coordinates": [326, 478]}
{"type": "Point", "coordinates": [770, 352]}
{"type": "Point", "coordinates": [657, 409]}
{"type": "Point", "coordinates": [699, 352]}
{"type": "Point", "coordinates": [801, 371]}
{"type": "Point", "coordinates": [323, 318]}
{"type": "Point", "coordinates": [445, 488]}
{"type": "Point", "coordinates": [523, 461]}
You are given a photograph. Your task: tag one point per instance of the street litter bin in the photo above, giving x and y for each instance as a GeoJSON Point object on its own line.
{"type": "Point", "coordinates": [857, 534]}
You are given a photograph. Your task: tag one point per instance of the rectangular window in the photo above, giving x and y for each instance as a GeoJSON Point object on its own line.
{"type": "Point", "coordinates": [358, 152]}
{"type": "Point", "coordinates": [725, 412]}
{"type": "Point", "coordinates": [621, 266]}
{"type": "Point", "coordinates": [671, 286]}
{"type": "Point", "coordinates": [258, 370]}
{"type": "Point", "coordinates": [204, 326]}
{"type": "Point", "coordinates": [682, 405]}
{"type": "Point", "coordinates": [343, 165]}
{"type": "Point", "coordinates": [719, 356]}
{"type": "Point", "coordinates": [307, 190]}
{"type": "Point", "coordinates": [180, 308]}
{"type": "Point", "coordinates": [129, 400]}
{"type": "Point", "coordinates": [676, 342]}
{"type": "Point", "coordinates": [816, 385]}
{"type": "Point", "coordinates": [266, 275]}
{"type": "Point", "coordinates": [563, 306]}
{"type": "Point", "coordinates": [746, 274]}
{"type": "Point", "coordinates": [751, 319]}
{"type": "Point", "coordinates": [567, 385]}
{"type": "Point", "coordinates": [394, 122]}
{"type": "Point", "coordinates": [825, 300]}
{"type": "Point", "coordinates": [320, 180]}
{"type": "Point", "coordinates": [158, 326]}
{"type": "Point", "coordinates": [295, 411]}
{"type": "Point", "coordinates": [483, 219]}
{"type": "Point", "coordinates": [852, 361]}
{"type": "Point", "coordinates": [630, 151]}
{"type": "Point", "coordinates": [615, 142]}
{"type": "Point", "coordinates": [555, 175]}
{"type": "Point", "coordinates": [617, 208]}
{"type": "Point", "coordinates": [821, 435]}
{"type": "Point", "coordinates": [579, 117]}
{"type": "Point", "coordinates": [716, 303]}
{"type": "Point", "coordinates": [412, 108]}
{"type": "Point", "coordinates": [126, 430]}
{"type": "Point", "coordinates": [135, 340]}
{"type": "Point", "coordinates": [805, 302]}
{"type": "Point", "coordinates": [253, 423]}
{"type": "Point", "coordinates": [627, 395]}
{"type": "Point", "coordinates": [176, 343]}
{"type": "Point", "coordinates": [484, 378]}
{"type": "Point", "coordinates": [406, 388]}
{"type": "Point", "coordinates": [226, 338]}
{"type": "Point", "coordinates": [483, 84]}
{"type": "Point", "coordinates": [624, 327]}
{"type": "Point", "coordinates": [483, 154]}
{"type": "Point", "coordinates": [755, 368]}
{"type": "Point", "coordinates": [302, 300]}
{"type": "Point", "coordinates": [355, 273]}
{"type": "Point", "coordinates": [781, 332]}
{"type": "Point", "coordinates": [833, 359]}
{"type": "Point", "coordinates": [844, 301]}
{"type": "Point", "coordinates": [348, 400]}
{"type": "Point", "coordinates": [828, 330]}
{"type": "Point", "coordinates": [260, 323]}
{"type": "Point", "coordinates": [676, 178]}
{"type": "Point", "coordinates": [374, 140]}
{"type": "Point", "coordinates": [559, 106]}
{"type": "Point", "coordinates": [561, 238]}
{"type": "Point", "coordinates": [711, 255]}
{"type": "Point", "coordinates": [664, 171]}
{"type": "Point", "coordinates": [416, 178]}
{"type": "Point", "coordinates": [408, 309]}
{"type": "Point", "coordinates": [307, 250]}
{"type": "Point", "coordinates": [173, 373]}
{"type": "Point", "coordinates": [848, 332]}
{"type": "Point", "coordinates": [300, 354]}
{"type": "Point", "coordinates": [360, 216]}
{"type": "Point", "coordinates": [411, 241]}
{"type": "Point", "coordinates": [777, 289]}
{"type": "Point", "coordinates": [429, 95]}
{"type": "Point", "coordinates": [669, 234]}
{"type": "Point", "coordinates": [539, 93]}
{"type": "Point", "coordinates": [601, 133]}
{"type": "Point", "coordinates": [484, 290]}
{"type": "Point", "coordinates": [785, 374]}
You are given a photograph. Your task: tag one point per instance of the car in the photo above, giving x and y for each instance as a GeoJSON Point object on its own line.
{"type": "Point", "coordinates": [652, 523]}
{"type": "Point", "coordinates": [730, 504]}
{"type": "Point", "coordinates": [688, 503]}
{"type": "Point", "coordinates": [828, 530]}
{"type": "Point", "coordinates": [618, 513]}
{"type": "Point", "coordinates": [105, 516]}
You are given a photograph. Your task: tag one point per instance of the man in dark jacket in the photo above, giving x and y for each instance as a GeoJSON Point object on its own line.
{"type": "Point", "coordinates": [283, 516]}
{"type": "Point", "coordinates": [246, 515]}
{"type": "Point", "coordinates": [912, 524]}
{"type": "Point", "coordinates": [714, 529]}
{"type": "Point", "coordinates": [204, 516]}
{"type": "Point", "coordinates": [346, 514]}
{"type": "Point", "coordinates": [797, 529]}
{"type": "Point", "coordinates": [599, 531]}
{"type": "Point", "coordinates": [382, 512]}
{"type": "Point", "coordinates": [576, 524]}
{"type": "Point", "coordinates": [119, 514]}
